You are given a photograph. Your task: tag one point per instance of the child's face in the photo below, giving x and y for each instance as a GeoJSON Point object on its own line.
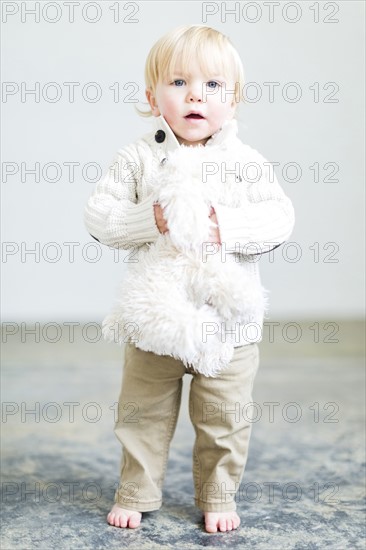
{"type": "Point", "coordinates": [194, 106]}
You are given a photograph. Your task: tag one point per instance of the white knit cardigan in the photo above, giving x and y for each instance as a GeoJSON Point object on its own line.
{"type": "Point", "coordinates": [120, 211]}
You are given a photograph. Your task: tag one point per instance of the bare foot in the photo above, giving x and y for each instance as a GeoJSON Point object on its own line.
{"type": "Point", "coordinates": [221, 521]}
{"type": "Point", "coordinates": [120, 517]}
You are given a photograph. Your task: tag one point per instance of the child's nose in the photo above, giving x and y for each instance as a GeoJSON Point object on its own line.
{"type": "Point", "coordinates": [195, 93]}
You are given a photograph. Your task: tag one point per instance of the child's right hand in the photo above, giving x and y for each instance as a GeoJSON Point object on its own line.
{"type": "Point", "coordinates": [159, 219]}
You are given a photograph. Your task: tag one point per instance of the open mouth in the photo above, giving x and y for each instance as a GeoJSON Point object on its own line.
{"type": "Point", "coordinates": [194, 116]}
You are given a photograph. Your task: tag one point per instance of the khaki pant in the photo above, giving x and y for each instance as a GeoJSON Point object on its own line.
{"type": "Point", "coordinates": [148, 410]}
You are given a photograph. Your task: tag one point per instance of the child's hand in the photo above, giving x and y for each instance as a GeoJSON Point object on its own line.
{"type": "Point", "coordinates": [159, 219]}
{"type": "Point", "coordinates": [214, 236]}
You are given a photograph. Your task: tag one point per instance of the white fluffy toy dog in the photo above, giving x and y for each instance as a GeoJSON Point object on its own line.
{"type": "Point", "coordinates": [178, 296]}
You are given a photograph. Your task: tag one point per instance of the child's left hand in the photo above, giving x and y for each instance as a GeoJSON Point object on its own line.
{"type": "Point", "coordinates": [214, 236]}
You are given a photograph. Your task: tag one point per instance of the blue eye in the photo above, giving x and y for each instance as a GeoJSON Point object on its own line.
{"type": "Point", "coordinates": [178, 82]}
{"type": "Point", "coordinates": [212, 84]}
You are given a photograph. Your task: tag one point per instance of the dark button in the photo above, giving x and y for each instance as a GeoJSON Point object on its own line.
{"type": "Point", "coordinates": [160, 136]}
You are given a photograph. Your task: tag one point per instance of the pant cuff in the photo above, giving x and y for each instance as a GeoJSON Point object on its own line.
{"type": "Point", "coordinates": [140, 506]}
{"type": "Point", "coordinates": [215, 506]}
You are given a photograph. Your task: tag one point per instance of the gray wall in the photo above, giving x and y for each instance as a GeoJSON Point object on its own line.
{"type": "Point", "coordinates": [309, 131]}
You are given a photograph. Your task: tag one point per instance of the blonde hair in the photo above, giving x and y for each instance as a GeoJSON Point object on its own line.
{"type": "Point", "coordinates": [212, 49]}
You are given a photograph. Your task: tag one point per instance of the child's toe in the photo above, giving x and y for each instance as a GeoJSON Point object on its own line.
{"type": "Point", "coordinates": [134, 521]}
{"type": "Point", "coordinates": [110, 518]}
{"type": "Point", "coordinates": [222, 525]}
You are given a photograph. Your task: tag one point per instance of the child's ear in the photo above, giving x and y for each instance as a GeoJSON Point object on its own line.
{"type": "Point", "coordinates": [152, 102]}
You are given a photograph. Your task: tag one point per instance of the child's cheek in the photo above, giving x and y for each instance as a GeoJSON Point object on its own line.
{"type": "Point", "coordinates": [171, 105]}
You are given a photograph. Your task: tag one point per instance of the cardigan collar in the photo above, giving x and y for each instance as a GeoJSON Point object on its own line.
{"type": "Point", "coordinates": [165, 138]}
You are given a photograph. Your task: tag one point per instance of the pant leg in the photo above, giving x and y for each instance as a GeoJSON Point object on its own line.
{"type": "Point", "coordinates": [221, 419]}
{"type": "Point", "coordinates": [148, 409]}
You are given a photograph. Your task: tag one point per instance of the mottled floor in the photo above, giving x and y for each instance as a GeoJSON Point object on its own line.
{"type": "Point", "coordinates": [304, 485]}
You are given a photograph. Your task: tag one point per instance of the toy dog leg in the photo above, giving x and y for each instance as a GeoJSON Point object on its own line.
{"type": "Point", "coordinates": [226, 289]}
{"type": "Point", "coordinates": [161, 320]}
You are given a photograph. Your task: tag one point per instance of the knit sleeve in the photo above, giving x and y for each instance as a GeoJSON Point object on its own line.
{"type": "Point", "coordinates": [264, 222]}
{"type": "Point", "coordinates": [113, 215]}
